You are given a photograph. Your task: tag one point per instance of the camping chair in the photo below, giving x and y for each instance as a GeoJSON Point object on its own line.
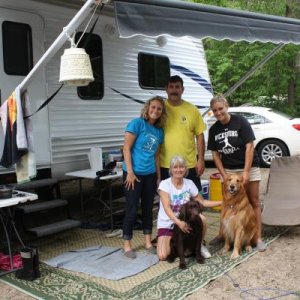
{"type": "Point", "coordinates": [282, 201]}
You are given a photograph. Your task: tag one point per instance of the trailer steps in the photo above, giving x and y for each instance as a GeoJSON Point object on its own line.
{"type": "Point", "coordinates": [50, 214]}
{"type": "Point", "coordinates": [35, 184]}
{"type": "Point", "coordinates": [54, 227]}
{"type": "Point", "coordinates": [42, 206]}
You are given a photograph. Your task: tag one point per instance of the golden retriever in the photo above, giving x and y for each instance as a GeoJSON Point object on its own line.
{"type": "Point", "coordinates": [239, 226]}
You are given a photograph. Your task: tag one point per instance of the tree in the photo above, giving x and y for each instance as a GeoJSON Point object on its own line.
{"type": "Point", "coordinates": [228, 61]}
{"type": "Point", "coordinates": [291, 11]}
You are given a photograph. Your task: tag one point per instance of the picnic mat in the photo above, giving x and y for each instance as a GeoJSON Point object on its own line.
{"type": "Point", "coordinates": [101, 261]}
{"type": "Point", "coordinates": [161, 281]}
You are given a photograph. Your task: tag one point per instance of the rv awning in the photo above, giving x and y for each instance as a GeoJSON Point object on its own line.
{"type": "Point", "coordinates": [179, 18]}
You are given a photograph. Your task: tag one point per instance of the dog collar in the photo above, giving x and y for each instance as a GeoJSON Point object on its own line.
{"type": "Point", "coordinates": [233, 207]}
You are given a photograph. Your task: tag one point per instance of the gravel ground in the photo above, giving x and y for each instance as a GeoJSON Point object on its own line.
{"type": "Point", "coordinates": [272, 274]}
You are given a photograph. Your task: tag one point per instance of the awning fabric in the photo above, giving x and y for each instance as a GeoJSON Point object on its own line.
{"type": "Point", "coordinates": [180, 18]}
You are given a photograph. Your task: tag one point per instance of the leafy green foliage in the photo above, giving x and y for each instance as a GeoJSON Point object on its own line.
{"type": "Point", "coordinates": [229, 61]}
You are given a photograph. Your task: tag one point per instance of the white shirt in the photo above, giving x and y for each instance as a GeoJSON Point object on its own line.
{"type": "Point", "coordinates": [177, 198]}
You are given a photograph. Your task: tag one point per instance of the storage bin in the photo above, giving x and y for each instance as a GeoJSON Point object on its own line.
{"type": "Point", "coordinates": [205, 189]}
{"type": "Point", "coordinates": [215, 189]}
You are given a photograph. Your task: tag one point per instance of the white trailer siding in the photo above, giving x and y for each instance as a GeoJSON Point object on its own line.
{"type": "Point", "coordinates": [37, 90]}
{"type": "Point", "coordinates": [74, 124]}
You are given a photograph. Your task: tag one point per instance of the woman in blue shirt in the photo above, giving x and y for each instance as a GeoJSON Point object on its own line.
{"type": "Point", "coordinates": [141, 171]}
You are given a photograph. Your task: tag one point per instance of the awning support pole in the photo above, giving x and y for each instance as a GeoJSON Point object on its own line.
{"type": "Point", "coordinates": [257, 66]}
{"type": "Point", "coordinates": [57, 44]}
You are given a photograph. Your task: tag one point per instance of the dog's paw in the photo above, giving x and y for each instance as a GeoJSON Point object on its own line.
{"type": "Point", "coordinates": [248, 248]}
{"type": "Point", "coordinates": [182, 266]}
{"type": "Point", "coordinates": [200, 260]}
{"type": "Point", "coordinates": [234, 255]}
{"type": "Point", "coordinates": [225, 250]}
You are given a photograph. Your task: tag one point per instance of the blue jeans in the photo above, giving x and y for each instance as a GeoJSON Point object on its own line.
{"type": "Point", "coordinates": [192, 175]}
{"type": "Point", "coordinates": [144, 190]}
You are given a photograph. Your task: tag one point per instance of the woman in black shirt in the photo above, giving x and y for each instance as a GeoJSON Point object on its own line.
{"type": "Point", "coordinates": [231, 140]}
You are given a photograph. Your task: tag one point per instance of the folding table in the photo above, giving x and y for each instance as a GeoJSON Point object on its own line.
{"type": "Point", "coordinates": [109, 179]}
{"type": "Point", "coordinates": [8, 215]}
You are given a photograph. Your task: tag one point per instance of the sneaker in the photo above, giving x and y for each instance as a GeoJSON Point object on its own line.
{"type": "Point", "coordinates": [261, 246]}
{"type": "Point", "coordinates": [115, 233]}
{"type": "Point", "coordinates": [205, 253]}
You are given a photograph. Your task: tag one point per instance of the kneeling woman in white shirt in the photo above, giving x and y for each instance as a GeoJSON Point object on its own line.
{"type": "Point", "coordinates": [174, 192]}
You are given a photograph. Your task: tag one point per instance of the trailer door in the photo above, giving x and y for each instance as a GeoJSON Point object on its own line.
{"type": "Point", "coordinates": [22, 44]}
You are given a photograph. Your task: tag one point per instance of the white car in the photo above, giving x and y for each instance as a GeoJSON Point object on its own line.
{"type": "Point", "coordinates": [277, 134]}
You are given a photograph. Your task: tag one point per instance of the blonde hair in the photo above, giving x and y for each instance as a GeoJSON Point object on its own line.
{"type": "Point", "coordinates": [218, 98]}
{"type": "Point", "coordinates": [178, 160]}
{"type": "Point", "coordinates": [160, 122]}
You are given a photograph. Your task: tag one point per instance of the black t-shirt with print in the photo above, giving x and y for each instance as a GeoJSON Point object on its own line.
{"type": "Point", "coordinates": [230, 141]}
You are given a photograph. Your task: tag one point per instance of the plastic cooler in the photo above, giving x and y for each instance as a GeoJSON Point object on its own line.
{"type": "Point", "coordinates": [205, 189]}
{"type": "Point", "coordinates": [215, 189]}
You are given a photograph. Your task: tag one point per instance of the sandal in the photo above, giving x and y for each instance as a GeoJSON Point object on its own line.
{"type": "Point", "coordinates": [130, 254]}
{"type": "Point", "coordinates": [151, 250]}
{"type": "Point", "coordinates": [154, 241]}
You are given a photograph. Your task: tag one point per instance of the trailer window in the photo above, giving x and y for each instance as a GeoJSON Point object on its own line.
{"type": "Point", "coordinates": [17, 48]}
{"type": "Point", "coordinates": [154, 71]}
{"type": "Point", "coordinates": [93, 46]}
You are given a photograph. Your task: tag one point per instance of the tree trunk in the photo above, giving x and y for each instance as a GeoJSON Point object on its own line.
{"type": "Point", "coordinates": [291, 92]}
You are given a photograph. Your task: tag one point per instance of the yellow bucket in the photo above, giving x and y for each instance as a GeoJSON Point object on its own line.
{"type": "Point", "coordinates": [215, 189]}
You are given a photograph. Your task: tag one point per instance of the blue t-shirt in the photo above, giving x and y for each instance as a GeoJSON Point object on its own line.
{"type": "Point", "coordinates": [148, 138]}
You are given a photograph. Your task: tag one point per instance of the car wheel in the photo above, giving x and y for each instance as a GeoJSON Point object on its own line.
{"type": "Point", "coordinates": [270, 149]}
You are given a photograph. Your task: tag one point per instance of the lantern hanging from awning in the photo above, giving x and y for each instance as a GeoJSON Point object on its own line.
{"type": "Point", "coordinates": [75, 67]}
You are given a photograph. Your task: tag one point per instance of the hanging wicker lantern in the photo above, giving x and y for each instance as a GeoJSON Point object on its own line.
{"type": "Point", "coordinates": [75, 67]}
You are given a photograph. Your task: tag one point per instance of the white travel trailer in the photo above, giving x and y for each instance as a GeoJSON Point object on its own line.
{"type": "Point", "coordinates": [127, 71]}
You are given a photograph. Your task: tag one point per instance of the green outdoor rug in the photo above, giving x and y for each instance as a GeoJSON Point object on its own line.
{"type": "Point", "coordinates": [170, 282]}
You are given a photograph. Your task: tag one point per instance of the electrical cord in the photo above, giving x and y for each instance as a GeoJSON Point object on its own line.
{"type": "Point", "coordinates": [253, 291]}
